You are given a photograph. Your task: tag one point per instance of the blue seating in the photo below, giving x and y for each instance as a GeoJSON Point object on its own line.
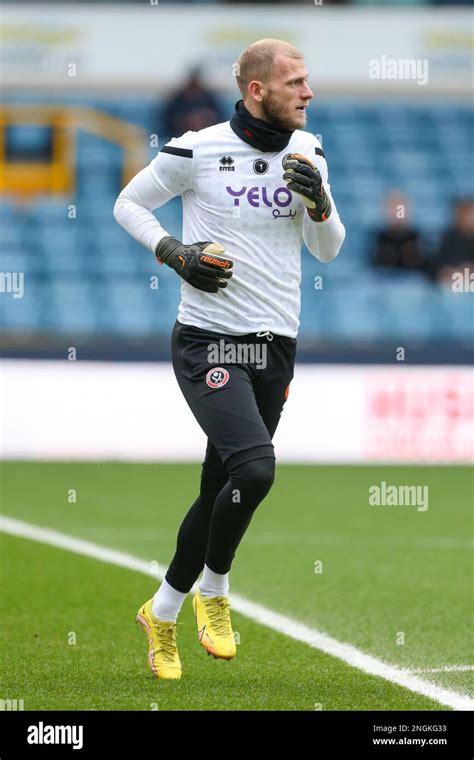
{"type": "Point", "coordinates": [86, 275]}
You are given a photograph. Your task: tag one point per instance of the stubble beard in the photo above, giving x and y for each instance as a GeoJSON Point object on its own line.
{"type": "Point", "coordinates": [271, 111]}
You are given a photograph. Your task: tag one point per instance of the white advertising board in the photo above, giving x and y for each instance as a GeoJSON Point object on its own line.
{"type": "Point", "coordinates": [73, 410]}
{"type": "Point", "coordinates": [419, 50]}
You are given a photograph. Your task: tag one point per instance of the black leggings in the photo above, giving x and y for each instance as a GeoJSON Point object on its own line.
{"type": "Point", "coordinates": [238, 407]}
{"type": "Point", "coordinates": [215, 524]}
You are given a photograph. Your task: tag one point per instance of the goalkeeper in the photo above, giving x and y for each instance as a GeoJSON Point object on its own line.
{"type": "Point", "coordinates": [253, 189]}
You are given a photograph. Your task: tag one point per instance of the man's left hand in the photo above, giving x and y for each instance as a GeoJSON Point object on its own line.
{"type": "Point", "coordinates": [304, 178]}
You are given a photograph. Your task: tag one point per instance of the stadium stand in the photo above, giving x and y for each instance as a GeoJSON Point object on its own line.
{"type": "Point", "coordinates": [87, 277]}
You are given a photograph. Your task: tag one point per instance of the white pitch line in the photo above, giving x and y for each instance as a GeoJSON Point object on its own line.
{"type": "Point", "coordinates": [444, 669]}
{"type": "Point", "coordinates": [255, 612]}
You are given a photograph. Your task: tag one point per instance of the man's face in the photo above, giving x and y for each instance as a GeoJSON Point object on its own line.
{"type": "Point", "coordinates": [286, 94]}
{"type": "Point", "coordinates": [465, 217]}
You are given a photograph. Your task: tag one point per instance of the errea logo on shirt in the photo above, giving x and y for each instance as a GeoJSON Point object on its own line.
{"type": "Point", "coordinates": [226, 164]}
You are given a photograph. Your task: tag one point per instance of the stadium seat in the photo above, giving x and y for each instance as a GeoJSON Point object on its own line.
{"type": "Point", "coordinates": [89, 276]}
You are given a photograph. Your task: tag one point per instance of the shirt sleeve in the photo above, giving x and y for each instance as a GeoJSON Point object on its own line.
{"type": "Point", "coordinates": [169, 174]}
{"type": "Point", "coordinates": [323, 239]}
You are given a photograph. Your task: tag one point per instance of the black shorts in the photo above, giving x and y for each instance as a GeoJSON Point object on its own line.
{"type": "Point", "coordinates": [235, 385]}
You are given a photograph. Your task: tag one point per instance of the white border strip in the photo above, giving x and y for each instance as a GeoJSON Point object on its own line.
{"type": "Point", "coordinates": [142, 414]}
{"type": "Point", "coordinates": [256, 612]}
{"type": "Point", "coordinates": [445, 669]}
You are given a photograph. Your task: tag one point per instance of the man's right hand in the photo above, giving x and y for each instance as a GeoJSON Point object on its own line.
{"type": "Point", "coordinates": [200, 264]}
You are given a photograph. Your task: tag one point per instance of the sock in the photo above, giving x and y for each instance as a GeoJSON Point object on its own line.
{"type": "Point", "coordinates": [167, 602]}
{"type": "Point", "coordinates": [214, 584]}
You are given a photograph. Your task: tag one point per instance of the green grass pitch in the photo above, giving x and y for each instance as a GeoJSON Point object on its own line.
{"type": "Point", "coordinates": [69, 640]}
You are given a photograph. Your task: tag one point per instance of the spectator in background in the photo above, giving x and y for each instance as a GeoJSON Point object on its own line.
{"type": "Point", "coordinates": [398, 244]}
{"type": "Point", "coordinates": [193, 107]}
{"type": "Point", "coordinates": [456, 249]}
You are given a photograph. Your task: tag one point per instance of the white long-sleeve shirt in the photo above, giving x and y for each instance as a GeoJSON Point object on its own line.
{"type": "Point", "coordinates": [234, 194]}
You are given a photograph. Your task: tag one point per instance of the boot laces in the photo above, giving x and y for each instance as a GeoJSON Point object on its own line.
{"type": "Point", "coordinates": [167, 638]}
{"type": "Point", "coordinates": [218, 612]}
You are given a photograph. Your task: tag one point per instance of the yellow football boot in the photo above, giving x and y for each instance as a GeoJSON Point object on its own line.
{"type": "Point", "coordinates": [163, 657]}
{"type": "Point", "coordinates": [215, 632]}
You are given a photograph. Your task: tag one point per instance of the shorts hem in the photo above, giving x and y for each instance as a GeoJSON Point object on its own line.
{"type": "Point", "coordinates": [246, 455]}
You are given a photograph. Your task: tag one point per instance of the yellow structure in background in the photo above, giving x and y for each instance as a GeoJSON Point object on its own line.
{"type": "Point", "coordinates": [29, 178]}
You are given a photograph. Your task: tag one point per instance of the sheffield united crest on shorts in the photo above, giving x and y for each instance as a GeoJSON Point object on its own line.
{"type": "Point", "coordinates": [217, 377]}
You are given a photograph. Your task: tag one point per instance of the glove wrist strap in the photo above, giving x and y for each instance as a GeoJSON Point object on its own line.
{"type": "Point", "coordinates": [165, 248]}
{"type": "Point", "coordinates": [321, 212]}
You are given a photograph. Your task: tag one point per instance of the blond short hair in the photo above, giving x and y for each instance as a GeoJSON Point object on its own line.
{"type": "Point", "coordinates": [256, 61]}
